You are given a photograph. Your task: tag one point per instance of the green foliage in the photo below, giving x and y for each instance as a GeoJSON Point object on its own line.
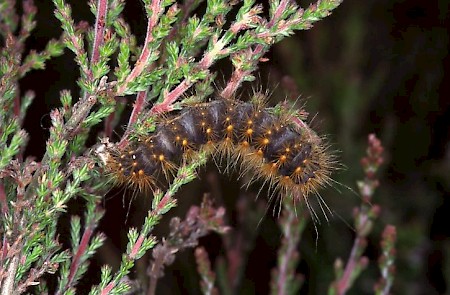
{"type": "Point", "coordinates": [178, 54]}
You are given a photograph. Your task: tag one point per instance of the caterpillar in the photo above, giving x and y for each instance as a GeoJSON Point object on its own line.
{"type": "Point", "coordinates": [291, 157]}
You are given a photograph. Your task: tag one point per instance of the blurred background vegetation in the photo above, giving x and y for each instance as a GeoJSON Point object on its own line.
{"type": "Point", "coordinates": [373, 66]}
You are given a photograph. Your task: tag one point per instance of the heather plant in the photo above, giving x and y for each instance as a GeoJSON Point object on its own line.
{"type": "Point", "coordinates": [171, 69]}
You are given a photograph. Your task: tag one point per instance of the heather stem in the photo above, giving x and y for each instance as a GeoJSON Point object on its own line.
{"type": "Point", "coordinates": [100, 22]}
{"type": "Point", "coordinates": [204, 269]}
{"type": "Point", "coordinates": [284, 278]}
{"type": "Point", "coordinates": [347, 278]}
{"type": "Point", "coordinates": [8, 285]}
{"type": "Point", "coordinates": [171, 98]}
{"type": "Point", "coordinates": [141, 63]}
{"type": "Point", "coordinates": [80, 111]}
{"type": "Point", "coordinates": [84, 243]}
{"type": "Point", "coordinates": [364, 218]}
{"type": "Point", "coordinates": [238, 75]}
{"type": "Point", "coordinates": [387, 261]}
{"type": "Point", "coordinates": [173, 95]}
{"type": "Point", "coordinates": [108, 129]}
{"type": "Point", "coordinates": [3, 200]}
{"type": "Point", "coordinates": [205, 63]}
{"type": "Point", "coordinates": [138, 106]}
{"type": "Point", "coordinates": [154, 274]}
{"type": "Point", "coordinates": [283, 267]}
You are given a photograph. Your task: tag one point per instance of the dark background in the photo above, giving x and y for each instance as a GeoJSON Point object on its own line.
{"type": "Point", "coordinates": [372, 66]}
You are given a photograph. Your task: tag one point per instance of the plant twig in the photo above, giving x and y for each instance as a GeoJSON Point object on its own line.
{"type": "Point", "coordinates": [185, 234]}
{"type": "Point", "coordinates": [8, 284]}
{"type": "Point", "coordinates": [285, 281]}
{"type": "Point", "coordinates": [204, 269]}
{"type": "Point", "coordinates": [364, 218]}
{"type": "Point", "coordinates": [302, 20]}
{"type": "Point", "coordinates": [100, 22]}
{"type": "Point", "coordinates": [138, 106]}
{"type": "Point", "coordinates": [386, 261]}
{"type": "Point", "coordinates": [141, 63]}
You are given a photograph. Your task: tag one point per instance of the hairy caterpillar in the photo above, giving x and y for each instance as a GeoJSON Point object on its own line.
{"type": "Point", "coordinates": [292, 158]}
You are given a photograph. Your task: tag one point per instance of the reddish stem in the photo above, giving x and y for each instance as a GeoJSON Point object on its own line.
{"type": "Point", "coordinates": [137, 109]}
{"type": "Point", "coordinates": [108, 288]}
{"type": "Point", "coordinates": [108, 124]}
{"type": "Point", "coordinates": [238, 75]}
{"type": "Point", "coordinates": [344, 283]}
{"type": "Point", "coordinates": [206, 62]}
{"type": "Point", "coordinates": [278, 13]}
{"type": "Point", "coordinates": [141, 63]}
{"type": "Point", "coordinates": [234, 256]}
{"type": "Point", "coordinates": [208, 58]}
{"type": "Point", "coordinates": [84, 243]}
{"type": "Point", "coordinates": [3, 200]}
{"type": "Point", "coordinates": [167, 197]}
{"type": "Point", "coordinates": [172, 96]}
{"type": "Point", "coordinates": [17, 104]}
{"type": "Point", "coordinates": [136, 247]}
{"type": "Point", "coordinates": [100, 22]}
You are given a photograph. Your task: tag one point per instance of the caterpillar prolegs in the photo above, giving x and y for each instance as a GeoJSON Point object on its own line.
{"type": "Point", "coordinates": [266, 143]}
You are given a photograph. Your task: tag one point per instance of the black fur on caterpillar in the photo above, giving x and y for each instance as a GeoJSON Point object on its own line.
{"type": "Point", "coordinates": [291, 157]}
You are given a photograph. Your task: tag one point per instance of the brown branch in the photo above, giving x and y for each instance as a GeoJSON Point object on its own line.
{"type": "Point", "coordinates": [3, 200]}
{"type": "Point", "coordinates": [8, 285]}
